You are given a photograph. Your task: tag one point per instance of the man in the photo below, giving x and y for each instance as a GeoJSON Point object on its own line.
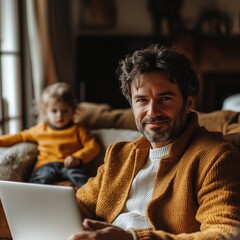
{"type": "Point", "coordinates": [179, 181]}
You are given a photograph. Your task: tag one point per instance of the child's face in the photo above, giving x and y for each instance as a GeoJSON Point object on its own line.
{"type": "Point", "coordinates": [59, 114]}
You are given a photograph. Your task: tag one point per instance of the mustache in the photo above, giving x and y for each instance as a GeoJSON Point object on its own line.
{"type": "Point", "coordinates": [156, 119]}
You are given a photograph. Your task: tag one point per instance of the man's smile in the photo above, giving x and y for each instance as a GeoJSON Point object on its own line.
{"type": "Point", "coordinates": [157, 121]}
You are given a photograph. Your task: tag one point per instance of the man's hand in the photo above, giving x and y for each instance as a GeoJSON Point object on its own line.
{"type": "Point", "coordinates": [96, 230]}
{"type": "Point", "coordinates": [71, 161]}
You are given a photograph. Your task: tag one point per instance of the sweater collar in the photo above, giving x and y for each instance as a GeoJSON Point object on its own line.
{"type": "Point", "coordinates": [70, 124]}
{"type": "Point", "coordinates": [157, 153]}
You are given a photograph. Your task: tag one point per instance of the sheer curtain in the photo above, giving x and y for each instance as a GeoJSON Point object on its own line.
{"type": "Point", "coordinates": [10, 68]}
{"type": "Point", "coordinates": [48, 47]}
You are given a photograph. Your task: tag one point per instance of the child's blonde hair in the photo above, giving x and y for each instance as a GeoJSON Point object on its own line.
{"type": "Point", "coordinates": [57, 92]}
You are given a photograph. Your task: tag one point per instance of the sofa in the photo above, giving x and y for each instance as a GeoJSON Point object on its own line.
{"type": "Point", "coordinates": [108, 125]}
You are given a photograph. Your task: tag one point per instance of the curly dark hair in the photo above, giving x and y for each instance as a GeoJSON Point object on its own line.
{"type": "Point", "coordinates": [157, 58]}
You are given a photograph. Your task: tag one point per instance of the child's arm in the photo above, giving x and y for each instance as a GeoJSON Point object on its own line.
{"type": "Point", "coordinates": [28, 135]}
{"type": "Point", "coordinates": [91, 147]}
{"type": "Point", "coordinates": [10, 139]}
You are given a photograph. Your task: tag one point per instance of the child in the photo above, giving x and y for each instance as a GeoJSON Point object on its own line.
{"type": "Point", "coordinates": [64, 147]}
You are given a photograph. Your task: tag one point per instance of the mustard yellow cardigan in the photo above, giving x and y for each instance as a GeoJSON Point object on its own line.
{"type": "Point", "coordinates": [55, 145]}
{"type": "Point", "coordinates": [196, 192]}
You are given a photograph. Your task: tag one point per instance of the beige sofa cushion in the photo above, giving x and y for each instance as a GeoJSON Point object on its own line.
{"type": "Point", "coordinates": [96, 116]}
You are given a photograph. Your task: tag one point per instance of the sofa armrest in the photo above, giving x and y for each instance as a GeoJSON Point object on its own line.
{"type": "Point", "coordinates": [16, 162]}
{"type": "Point", "coordinates": [100, 116]}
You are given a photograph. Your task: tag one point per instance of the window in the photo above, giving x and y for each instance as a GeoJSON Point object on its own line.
{"type": "Point", "coordinates": [10, 70]}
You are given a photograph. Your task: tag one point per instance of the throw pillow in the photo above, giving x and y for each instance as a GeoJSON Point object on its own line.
{"type": "Point", "coordinates": [16, 162]}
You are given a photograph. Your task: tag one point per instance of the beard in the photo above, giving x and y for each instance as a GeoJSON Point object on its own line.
{"type": "Point", "coordinates": [174, 126]}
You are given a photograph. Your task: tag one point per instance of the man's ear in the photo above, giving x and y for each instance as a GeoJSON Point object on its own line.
{"type": "Point", "coordinates": [190, 104]}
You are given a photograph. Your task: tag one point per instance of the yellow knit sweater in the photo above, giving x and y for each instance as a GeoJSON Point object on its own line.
{"type": "Point", "coordinates": [55, 145]}
{"type": "Point", "coordinates": [196, 192]}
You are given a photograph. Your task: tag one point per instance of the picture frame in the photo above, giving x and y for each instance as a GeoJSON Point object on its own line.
{"type": "Point", "coordinates": [97, 14]}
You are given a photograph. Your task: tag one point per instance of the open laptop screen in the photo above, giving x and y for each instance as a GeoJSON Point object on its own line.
{"type": "Point", "coordinates": [40, 212]}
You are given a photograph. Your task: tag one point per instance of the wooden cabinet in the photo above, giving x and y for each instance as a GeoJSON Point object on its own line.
{"type": "Point", "coordinates": [217, 60]}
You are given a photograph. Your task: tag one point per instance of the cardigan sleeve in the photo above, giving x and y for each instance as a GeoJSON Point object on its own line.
{"type": "Point", "coordinates": [87, 195]}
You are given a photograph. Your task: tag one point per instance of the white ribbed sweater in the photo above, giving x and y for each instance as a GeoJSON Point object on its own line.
{"type": "Point", "coordinates": [134, 213]}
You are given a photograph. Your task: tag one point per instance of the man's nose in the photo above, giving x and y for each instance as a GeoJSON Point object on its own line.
{"type": "Point", "coordinates": [154, 109]}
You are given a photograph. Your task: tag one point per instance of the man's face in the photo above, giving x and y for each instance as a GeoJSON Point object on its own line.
{"type": "Point", "coordinates": [158, 107]}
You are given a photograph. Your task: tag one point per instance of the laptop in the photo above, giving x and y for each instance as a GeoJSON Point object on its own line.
{"type": "Point", "coordinates": [40, 212]}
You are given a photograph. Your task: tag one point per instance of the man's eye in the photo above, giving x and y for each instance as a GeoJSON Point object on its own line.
{"type": "Point", "coordinates": [141, 100]}
{"type": "Point", "coordinates": [53, 110]}
{"type": "Point", "coordinates": [165, 100]}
